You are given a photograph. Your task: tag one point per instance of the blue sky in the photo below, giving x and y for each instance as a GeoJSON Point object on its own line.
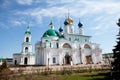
{"type": "Point", "coordinates": [98, 17]}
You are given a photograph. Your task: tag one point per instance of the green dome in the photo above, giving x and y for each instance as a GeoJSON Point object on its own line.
{"type": "Point", "coordinates": [51, 32]}
{"type": "Point", "coordinates": [27, 32]}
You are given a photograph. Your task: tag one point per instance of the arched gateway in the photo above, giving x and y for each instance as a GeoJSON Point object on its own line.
{"type": "Point", "coordinates": [67, 57]}
{"type": "Point", "coordinates": [88, 54]}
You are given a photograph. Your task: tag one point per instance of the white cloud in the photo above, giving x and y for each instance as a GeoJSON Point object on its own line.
{"type": "Point", "coordinates": [24, 2]}
{"type": "Point", "coordinates": [105, 11]}
{"type": "Point", "coordinates": [18, 23]}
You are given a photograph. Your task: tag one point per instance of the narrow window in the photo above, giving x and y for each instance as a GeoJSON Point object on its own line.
{"type": "Point", "coordinates": [15, 62]}
{"type": "Point", "coordinates": [27, 39]}
{"type": "Point", "coordinates": [54, 60]}
{"type": "Point", "coordinates": [57, 45]}
{"type": "Point", "coordinates": [50, 45]}
{"type": "Point", "coordinates": [26, 49]}
{"type": "Point", "coordinates": [69, 39]}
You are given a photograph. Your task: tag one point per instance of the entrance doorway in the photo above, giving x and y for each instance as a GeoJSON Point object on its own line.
{"type": "Point", "coordinates": [67, 59]}
{"type": "Point", "coordinates": [88, 59]}
{"type": "Point", "coordinates": [25, 60]}
{"type": "Point", "coordinates": [15, 62]}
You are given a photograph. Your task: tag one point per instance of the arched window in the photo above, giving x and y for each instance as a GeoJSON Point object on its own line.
{"type": "Point", "coordinates": [26, 49]}
{"type": "Point", "coordinates": [27, 39]}
{"type": "Point", "coordinates": [54, 60]}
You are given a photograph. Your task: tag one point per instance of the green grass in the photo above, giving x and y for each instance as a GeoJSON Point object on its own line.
{"type": "Point", "coordinates": [84, 76]}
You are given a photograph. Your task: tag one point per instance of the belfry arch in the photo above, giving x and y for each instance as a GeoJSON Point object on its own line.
{"type": "Point", "coordinates": [27, 39]}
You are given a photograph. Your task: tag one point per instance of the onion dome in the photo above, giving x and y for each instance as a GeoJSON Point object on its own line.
{"type": "Point", "coordinates": [60, 29]}
{"type": "Point", "coordinates": [65, 22]}
{"type": "Point", "coordinates": [68, 21]}
{"type": "Point", "coordinates": [51, 32]}
{"type": "Point", "coordinates": [28, 30]}
{"type": "Point", "coordinates": [80, 24]}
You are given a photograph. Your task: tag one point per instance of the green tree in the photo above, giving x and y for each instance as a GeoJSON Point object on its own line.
{"type": "Point", "coordinates": [3, 66]}
{"type": "Point", "coordinates": [116, 56]}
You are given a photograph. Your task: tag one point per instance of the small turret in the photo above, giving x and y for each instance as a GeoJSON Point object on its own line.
{"type": "Point", "coordinates": [80, 28]}
{"type": "Point", "coordinates": [51, 25]}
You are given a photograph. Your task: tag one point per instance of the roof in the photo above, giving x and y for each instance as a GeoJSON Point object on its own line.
{"type": "Point", "coordinates": [108, 54]}
{"type": "Point", "coordinates": [2, 58]}
{"type": "Point", "coordinates": [28, 30]}
{"type": "Point", "coordinates": [51, 32]}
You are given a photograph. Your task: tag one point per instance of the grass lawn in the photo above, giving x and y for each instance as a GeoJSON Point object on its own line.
{"type": "Point", "coordinates": [84, 76]}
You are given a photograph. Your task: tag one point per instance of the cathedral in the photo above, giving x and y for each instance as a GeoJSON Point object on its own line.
{"type": "Point", "coordinates": [26, 56]}
{"type": "Point", "coordinates": [65, 47]}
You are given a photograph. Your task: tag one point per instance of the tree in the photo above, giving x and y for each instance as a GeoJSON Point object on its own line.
{"type": "Point", "coordinates": [3, 66]}
{"type": "Point", "coordinates": [116, 57]}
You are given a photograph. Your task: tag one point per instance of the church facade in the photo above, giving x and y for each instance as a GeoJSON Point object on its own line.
{"type": "Point", "coordinates": [66, 46]}
{"type": "Point", "coordinates": [26, 56]}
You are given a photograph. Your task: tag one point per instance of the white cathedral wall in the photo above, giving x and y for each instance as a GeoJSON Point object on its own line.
{"type": "Point", "coordinates": [32, 60]}
{"type": "Point", "coordinates": [59, 54]}
{"type": "Point", "coordinates": [94, 58]}
{"type": "Point", "coordinates": [20, 59]}
{"type": "Point", "coordinates": [80, 38]}
{"type": "Point", "coordinates": [71, 29]}
{"type": "Point", "coordinates": [53, 53]}
{"type": "Point", "coordinates": [16, 57]}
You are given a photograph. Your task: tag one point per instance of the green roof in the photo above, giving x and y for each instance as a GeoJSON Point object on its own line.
{"type": "Point", "coordinates": [2, 58]}
{"type": "Point", "coordinates": [51, 32]}
{"type": "Point", "coordinates": [27, 32]}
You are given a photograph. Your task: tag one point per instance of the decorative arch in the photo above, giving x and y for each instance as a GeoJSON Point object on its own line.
{"type": "Point", "coordinates": [66, 45]}
{"type": "Point", "coordinates": [87, 46]}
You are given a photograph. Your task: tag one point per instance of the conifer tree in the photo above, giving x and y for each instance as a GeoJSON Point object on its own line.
{"type": "Point", "coordinates": [3, 66]}
{"type": "Point", "coordinates": [116, 57]}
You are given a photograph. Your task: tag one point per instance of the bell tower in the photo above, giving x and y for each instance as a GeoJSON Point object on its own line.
{"type": "Point", "coordinates": [68, 25]}
{"type": "Point", "coordinates": [27, 45]}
